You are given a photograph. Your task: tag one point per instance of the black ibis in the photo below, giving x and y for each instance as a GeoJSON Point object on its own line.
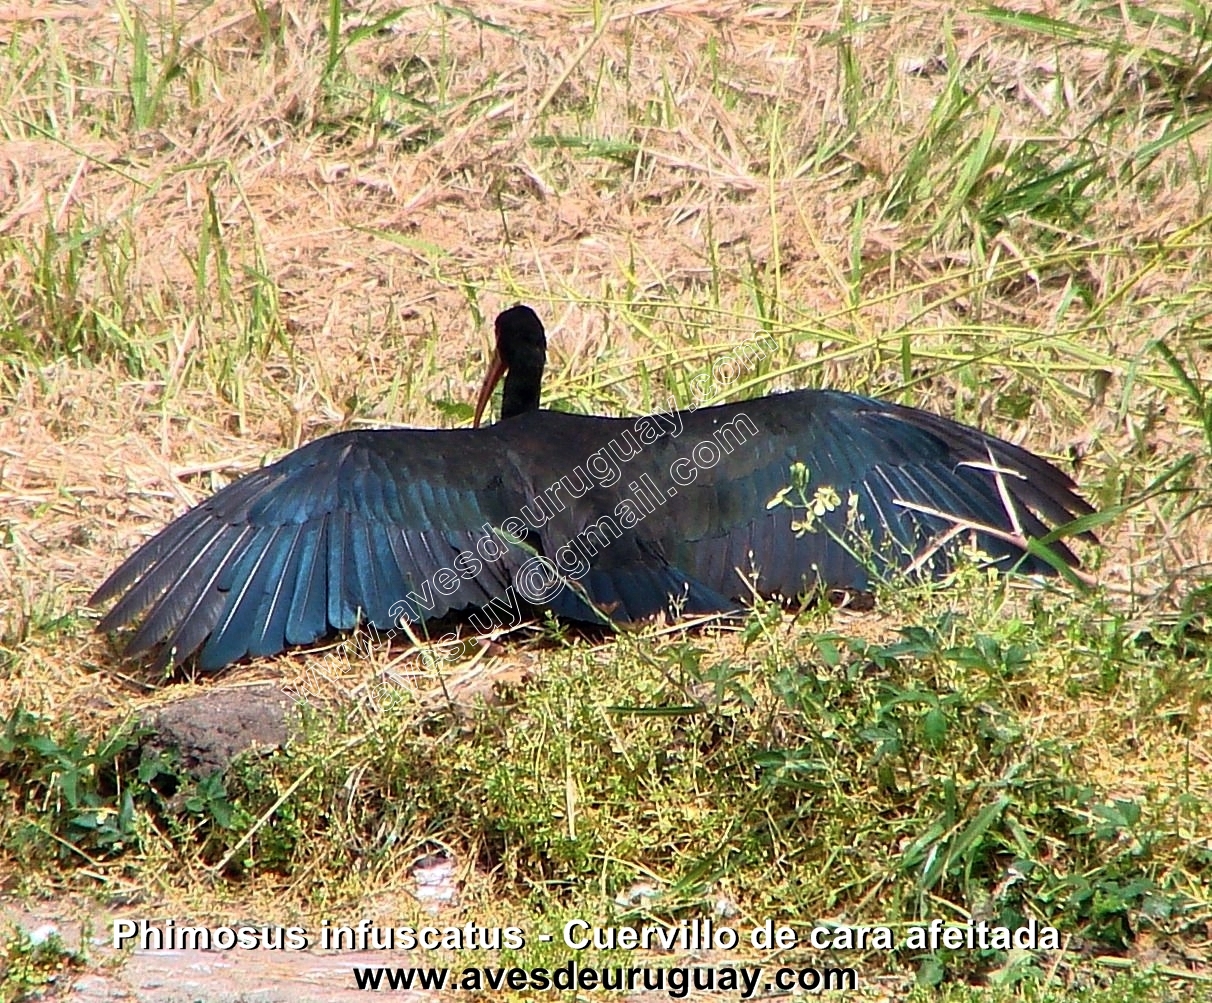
{"type": "Point", "coordinates": [585, 516]}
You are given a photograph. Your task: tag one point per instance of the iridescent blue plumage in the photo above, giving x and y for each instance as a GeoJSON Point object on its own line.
{"type": "Point", "coordinates": [367, 526]}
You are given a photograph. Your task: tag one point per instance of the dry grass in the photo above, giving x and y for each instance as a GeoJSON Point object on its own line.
{"type": "Point", "coordinates": [220, 238]}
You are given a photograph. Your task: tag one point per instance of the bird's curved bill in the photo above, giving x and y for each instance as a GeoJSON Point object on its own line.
{"type": "Point", "coordinates": [496, 369]}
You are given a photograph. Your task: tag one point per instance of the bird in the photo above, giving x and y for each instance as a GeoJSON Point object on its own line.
{"type": "Point", "coordinates": [592, 519]}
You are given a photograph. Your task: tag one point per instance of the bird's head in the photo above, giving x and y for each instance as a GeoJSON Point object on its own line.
{"type": "Point", "coordinates": [521, 353]}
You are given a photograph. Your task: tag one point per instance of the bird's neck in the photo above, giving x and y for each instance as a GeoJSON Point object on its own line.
{"type": "Point", "coordinates": [520, 393]}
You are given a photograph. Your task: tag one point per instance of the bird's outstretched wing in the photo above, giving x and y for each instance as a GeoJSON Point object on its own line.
{"type": "Point", "coordinates": [903, 480]}
{"type": "Point", "coordinates": [357, 527]}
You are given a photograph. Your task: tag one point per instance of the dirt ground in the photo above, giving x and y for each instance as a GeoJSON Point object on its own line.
{"type": "Point", "coordinates": [187, 976]}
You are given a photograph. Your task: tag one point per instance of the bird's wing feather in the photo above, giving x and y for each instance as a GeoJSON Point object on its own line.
{"type": "Point", "coordinates": [894, 461]}
{"type": "Point", "coordinates": [350, 528]}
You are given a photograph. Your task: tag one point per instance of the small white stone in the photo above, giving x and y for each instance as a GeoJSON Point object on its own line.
{"type": "Point", "coordinates": [43, 933]}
